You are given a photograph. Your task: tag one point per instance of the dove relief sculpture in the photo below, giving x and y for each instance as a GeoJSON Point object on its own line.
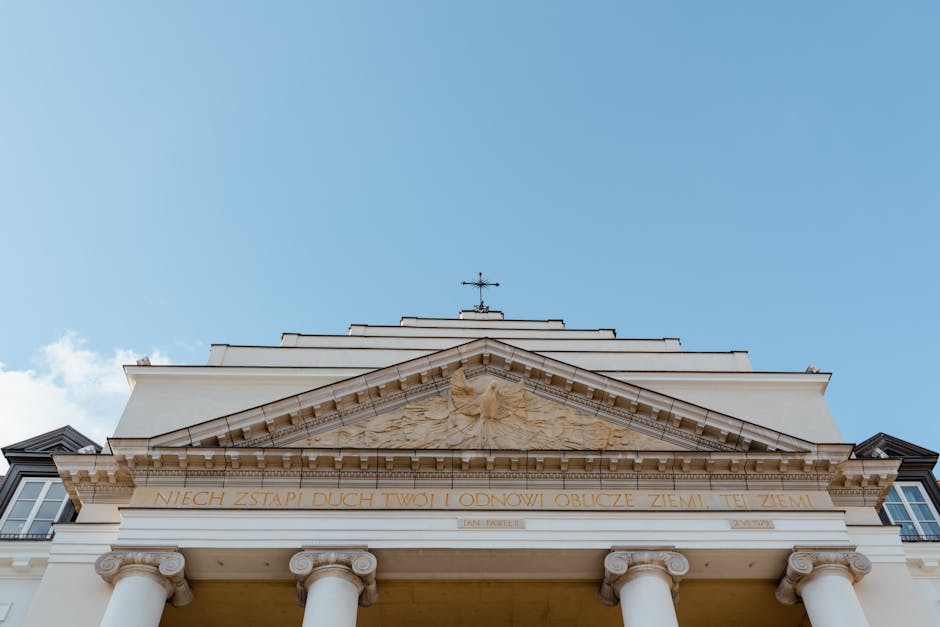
{"type": "Point", "coordinates": [486, 413]}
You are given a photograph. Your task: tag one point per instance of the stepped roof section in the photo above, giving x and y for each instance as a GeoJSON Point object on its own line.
{"type": "Point", "coordinates": [377, 346]}
{"type": "Point", "coordinates": [237, 377]}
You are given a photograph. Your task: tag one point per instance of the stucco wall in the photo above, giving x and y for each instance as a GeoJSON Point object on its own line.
{"type": "Point", "coordinates": [18, 594]}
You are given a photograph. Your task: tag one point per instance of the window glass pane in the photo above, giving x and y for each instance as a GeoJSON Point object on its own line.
{"type": "Point", "coordinates": [922, 511]}
{"type": "Point", "coordinates": [56, 492]}
{"type": "Point", "coordinates": [931, 528]}
{"type": "Point", "coordinates": [40, 526]}
{"type": "Point", "coordinates": [908, 529]}
{"type": "Point", "coordinates": [21, 510]}
{"type": "Point", "coordinates": [893, 496]}
{"type": "Point", "coordinates": [48, 510]}
{"type": "Point", "coordinates": [31, 490]}
{"type": "Point", "coordinates": [913, 493]}
{"type": "Point", "coordinates": [12, 526]}
{"type": "Point", "coordinates": [897, 513]}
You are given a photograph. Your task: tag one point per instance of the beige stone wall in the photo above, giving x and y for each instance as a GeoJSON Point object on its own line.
{"type": "Point", "coordinates": [238, 377]}
{"type": "Point", "coordinates": [70, 594]}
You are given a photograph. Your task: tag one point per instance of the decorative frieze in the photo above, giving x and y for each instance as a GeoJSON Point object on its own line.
{"type": "Point", "coordinates": [356, 566]}
{"type": "Point", "coordinates": [164, 567]}
{"type": "Point", "coordinates": [620, 565]}
{"type": "Point", "coordinates": [805, 562]}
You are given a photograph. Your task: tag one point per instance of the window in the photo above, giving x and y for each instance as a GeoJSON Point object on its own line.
{"type": "Point", "coordinates": [36, 505]}
{"type": "Point", "coordinates": [907, 505]}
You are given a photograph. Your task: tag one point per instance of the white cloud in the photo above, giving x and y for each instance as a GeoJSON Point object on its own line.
{"type": "Point", "coordinates": [72, 384]}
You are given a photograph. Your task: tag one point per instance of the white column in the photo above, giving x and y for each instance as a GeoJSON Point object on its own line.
{"type": "Point", "coordinates": [647, 583]}
{"type": "Point", "coordinates": [143, 582]}
{"type": "Point", "coordinates": [824, 578]}
{"type": "Point", "coordinates": [331, 584]}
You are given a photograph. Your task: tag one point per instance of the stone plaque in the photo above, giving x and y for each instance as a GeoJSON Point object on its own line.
{"type": "Point", "coordinates": [752, 524]}
{"type": "Point", "coordinates": [491, 524]}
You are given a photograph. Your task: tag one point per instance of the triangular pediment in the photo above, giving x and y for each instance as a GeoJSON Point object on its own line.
{"type": "Point", "coordinates": [412, 405]}
{"type": "Point", "coordinates": [486, 412]}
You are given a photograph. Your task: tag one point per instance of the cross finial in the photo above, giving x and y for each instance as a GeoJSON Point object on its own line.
{"type": "Point", "coordinates": [480, 284]}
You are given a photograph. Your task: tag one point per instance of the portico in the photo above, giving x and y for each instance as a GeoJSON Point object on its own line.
{"type": "Point", "coordinates": [474, 480]}
{"type": "Point", "coordinates": [330, 583]}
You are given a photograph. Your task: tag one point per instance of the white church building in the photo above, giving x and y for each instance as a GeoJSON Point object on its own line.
{"type": "Point", "coordinates": [477, 471]}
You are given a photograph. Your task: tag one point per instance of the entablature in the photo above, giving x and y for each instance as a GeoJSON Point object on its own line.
{"type": "Point", "coordinates": [113, 478]}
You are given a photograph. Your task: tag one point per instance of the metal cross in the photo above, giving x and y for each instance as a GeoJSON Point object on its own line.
{"type": "Point", "coordinates": [480, 284]}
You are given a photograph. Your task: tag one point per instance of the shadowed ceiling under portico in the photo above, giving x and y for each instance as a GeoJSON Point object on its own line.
{"type": "Point", "coordinates": [702, 603]}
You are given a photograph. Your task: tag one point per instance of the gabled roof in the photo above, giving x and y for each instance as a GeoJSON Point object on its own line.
{"type": "Point", "coordinates": [285, 421]}
{"type": "Point", "coordinates": [62, 440]}
{"type": "Point", "coordinates": [893, 447]}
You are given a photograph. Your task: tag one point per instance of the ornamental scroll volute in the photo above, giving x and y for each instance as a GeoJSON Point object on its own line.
{"type": "Point", "coordinates": [165, 567]}
{"type": "Point", "coordinates": [803, 563]}
{"type": "Point", "coordinates": [357, 567]}
{"type": "Point", "coordinates": [619, 565]}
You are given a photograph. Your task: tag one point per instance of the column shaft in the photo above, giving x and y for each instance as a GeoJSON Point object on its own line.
{"type": "Point", "coordinates": [646, 600]}
{"type": "Point", "coordinates": [143, 581]}
{"type": "Point", "coordinates": [331, 602]}
{"type": "Point", "coordinates": [823, 578]}
{"type": "Point", "coordinates": [332, 584]}
{"type": "Point", "coordinates": [831, 601]}
{"type": "Point", "coordinates": [136, 600]}
{"type": "Point", "coordinates": [646, 582]}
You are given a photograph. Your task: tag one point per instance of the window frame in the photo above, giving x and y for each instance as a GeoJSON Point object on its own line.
{"type": "Point", "coordinates": [47, 482]}
{"type": "Point", "coordinates": [906, 504]}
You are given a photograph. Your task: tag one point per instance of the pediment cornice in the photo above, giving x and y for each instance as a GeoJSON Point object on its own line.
{"type": "Point", "coordinates": [284, 422]}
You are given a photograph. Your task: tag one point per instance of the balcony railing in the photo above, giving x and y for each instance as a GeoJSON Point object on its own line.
{"type": "Point", "coordinates": [920, 537]}
{"type": "Point", "coordinates": [26, 536]}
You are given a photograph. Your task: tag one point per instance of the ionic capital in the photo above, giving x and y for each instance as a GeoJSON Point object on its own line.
{"type": "Point", "coordinates": [619, 566]}
{"type": "Point", "coordinates": [357, 567]}
{"type": "Point", "coordinates": [164, 567]}
{"type": "Point", "coordinates": [806, 562]}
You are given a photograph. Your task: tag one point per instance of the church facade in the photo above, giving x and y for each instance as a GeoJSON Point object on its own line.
{"type": "Point", "coordinates": [476, 470]}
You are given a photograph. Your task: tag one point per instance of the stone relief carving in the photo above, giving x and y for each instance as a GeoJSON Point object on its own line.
{"type": "Point", "coordinates": [486, 412]}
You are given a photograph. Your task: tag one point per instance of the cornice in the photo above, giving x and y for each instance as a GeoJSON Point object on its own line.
{"type": "Point", "coordinates": [113, 478]}
{"type": "Point", "coordinates": [288, 420]}
{"type": "Point", "coordinates": [306, 372]}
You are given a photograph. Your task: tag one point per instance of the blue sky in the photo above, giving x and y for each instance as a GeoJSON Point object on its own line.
{"type": "Point", "coordinates": [740, 175]}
